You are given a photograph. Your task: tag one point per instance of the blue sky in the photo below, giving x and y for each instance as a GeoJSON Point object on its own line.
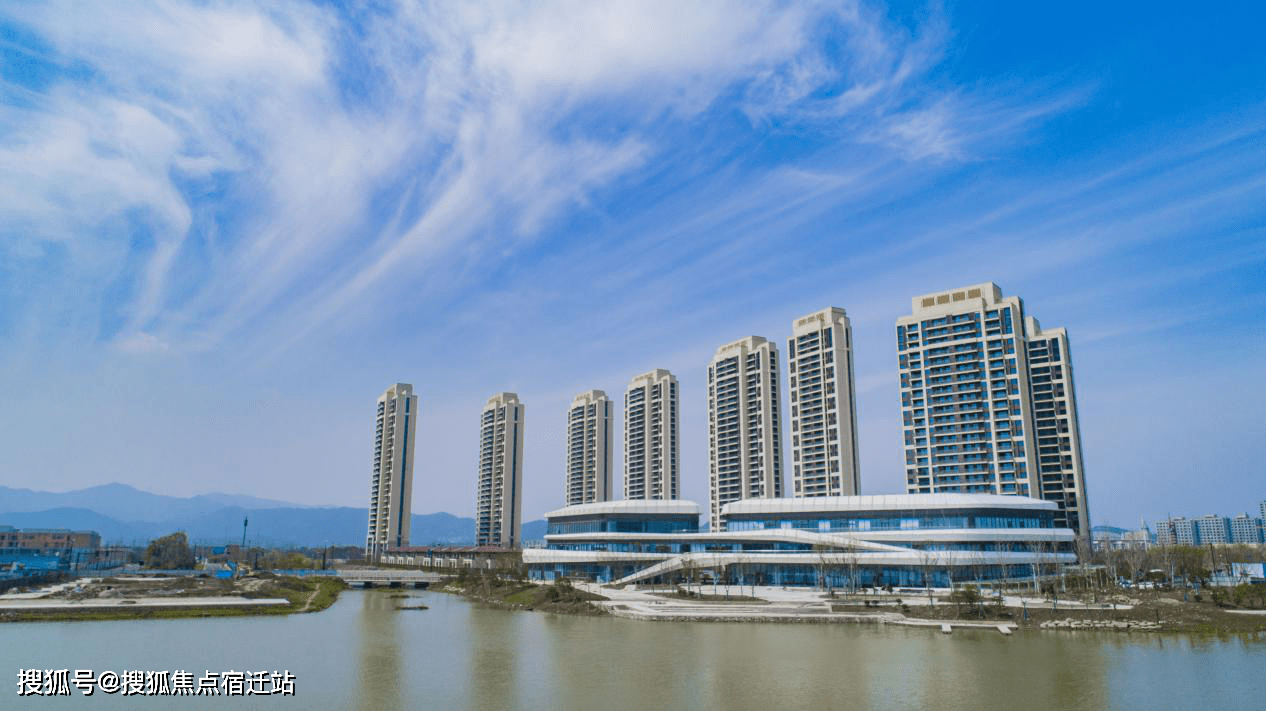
{"type": "Point", "coordinates": [224, 230]}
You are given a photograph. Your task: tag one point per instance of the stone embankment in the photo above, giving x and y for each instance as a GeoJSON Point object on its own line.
{"type": "Point", "coordinates": [1068, 623]}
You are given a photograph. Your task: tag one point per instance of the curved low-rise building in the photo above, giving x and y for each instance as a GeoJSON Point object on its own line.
{"type": "Point", "coordinates": [834, 541]}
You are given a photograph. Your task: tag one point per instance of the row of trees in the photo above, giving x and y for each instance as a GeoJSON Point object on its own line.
{"type": "Point", "coordinates": [1175, 563]}
{"type": "Point", "coordinates": [173, 552]}
{"type": "Point", "coordinates": [1097, 571]}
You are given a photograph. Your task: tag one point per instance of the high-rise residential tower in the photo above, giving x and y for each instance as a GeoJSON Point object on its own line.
{"type": "Point", "coordinates": [744, 424]}
{"type": "Point", "coordinates": [588, 449]}
{"type": "Point", "coordinates": [1060, 471]}
{"type": "Point", "coordinates": [391, 486]}
{"type": "Point", "coordinates": [499, 504]}
{"type": "Point", "coordinates": [823, 411]}
{"type": "Point", "coordinates": [651, 437]}
{"type": "Point", "coordinates": [987, 402]}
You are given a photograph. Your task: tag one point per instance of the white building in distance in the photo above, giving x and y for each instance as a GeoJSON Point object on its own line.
{"type": "Point", "coordinates": [744, 424]}
{"type": "Point", "coordinates": [652, 433]}
{"type": "Point", "coordinates": [391, 484]}
{"type": "Point", "coordinates": [499, 503]}
{"type": "Point", "coordinates": [987, 402]}
{"type": "Point", "coordinates": [824, 459]}
{"type": "Point", "coordinates": [589, 449]}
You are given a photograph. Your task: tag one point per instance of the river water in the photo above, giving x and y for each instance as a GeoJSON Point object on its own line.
{"type": "Point", "coordinates": [363, 653]}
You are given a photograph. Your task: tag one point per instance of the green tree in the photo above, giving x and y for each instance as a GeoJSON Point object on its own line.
{"type": "Point", "coordinates": [171, 551]}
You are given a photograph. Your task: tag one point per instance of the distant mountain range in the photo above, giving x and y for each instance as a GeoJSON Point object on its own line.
{"type": "Point", "coordinates": [123, 514]}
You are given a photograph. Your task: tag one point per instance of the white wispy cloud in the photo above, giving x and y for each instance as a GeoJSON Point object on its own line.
{"type": "Point", "coordinates": [297, 156]}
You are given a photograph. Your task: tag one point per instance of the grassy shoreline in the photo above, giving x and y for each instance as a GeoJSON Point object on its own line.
{"type": "Point", "coordinates": [519, 595]}
{"type": "Point", "coordinates": [1156, 614]}
{"type": "Point", "coordinates": [1160, 615]}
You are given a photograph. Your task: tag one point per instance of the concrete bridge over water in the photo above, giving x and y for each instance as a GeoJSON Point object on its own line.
{"type": "Point", "coordinates": [387, 577]}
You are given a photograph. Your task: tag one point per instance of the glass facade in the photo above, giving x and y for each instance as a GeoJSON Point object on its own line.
{"type": "Point", "coordinates": [895, 521]}
{"type": "Point", "coordinates": [640, 524]}
{"type": "Point", "coordinates": [808, 575]}
{"type": "Point", "coordinates": [967, 540]}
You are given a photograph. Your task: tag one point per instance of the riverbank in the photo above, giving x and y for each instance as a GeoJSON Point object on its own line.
{"type": "Point", "coordinates": [1154, 613]}
{"type": "Point", "coordinates": [562, 598]}
{"type": "Point", "coordinates": [141, 597]}
{"type": "Point", "coordinates": [803, 605]}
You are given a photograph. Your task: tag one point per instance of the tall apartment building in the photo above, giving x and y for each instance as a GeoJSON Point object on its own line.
{"type": "Point", "coordinates": [744, 424]}
{"type": "Point", "coordinates": [1246, 529]}
{"type": "Point", "coordinates": [1177, 531]}
{"type": "Point", "coordinates": [652, 433]}
{"type": "Point", "coordinates": [588, 449]}
{"type": "Point", "coordinates": [391, 485]}
{"type": "Point", "coordinates": [1060, 470]}
{"type": "Point", "coordinates": [987, 402]}
{"type": "Point", "coordinates": [1212, 528]}
{"type": "Point", "coordinates": [824, 458]}
{"type": "Point", "coordinates": [499, 503]}
{"type": "Point", "coordinates": [1261, 510]}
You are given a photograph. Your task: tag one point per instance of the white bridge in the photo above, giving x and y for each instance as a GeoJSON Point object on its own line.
{"type": "Point", "coordinates": [370, 577]}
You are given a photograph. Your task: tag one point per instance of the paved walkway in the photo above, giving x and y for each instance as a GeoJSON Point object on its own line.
{"type": "Point", "coordinates": [777, 605]}
{"type": "Point", "coordinates": [809, 596]}
{"type": "Point", "coordinates": [117, 603]}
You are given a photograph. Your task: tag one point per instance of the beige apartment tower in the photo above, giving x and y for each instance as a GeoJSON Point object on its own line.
{"type": "Point", "coordinates": [651, 436]}
{"type": "Point", "coordinates": [744, 424]}
{"type": "Point", "coordinates": [1060, 471]}
{"type": "Point", "coordinates": [391, 485]}
{"type": "Point", "coordinates": [499, 504]}
{"type": "Point", "coordinates": [823, 411]}
{"type": "Point", "coordinates": [589, 449]}
{"type": "Point", "coordinates": [987, 402]}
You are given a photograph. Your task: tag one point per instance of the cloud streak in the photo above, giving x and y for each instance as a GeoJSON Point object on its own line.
{"type": "Point", "coordinates": [246, 171]}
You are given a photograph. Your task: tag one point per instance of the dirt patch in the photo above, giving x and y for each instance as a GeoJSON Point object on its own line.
{"type": "Point", "coordinates": [303, 594]}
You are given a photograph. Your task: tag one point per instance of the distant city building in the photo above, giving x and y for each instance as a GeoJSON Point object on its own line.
{"type": "Point", "coordinates": [1261, 510]}
{"type": "Point", "coordinates": [1141, 538]}
{"type": "Point", "coordinates": [1210, 529]}
{"type": "Point", "coordinates": [1213, 529]}
{"type": "Point", "coordinates": [744, 424]}
{"type": "Point", "coordinates": [1112, 538]}
{"type": "Point", "coordinates": [1177, 531]}
{"type": "Point", "coordinates": [589, 448]}
{"type": "Point", "coordinates": [652, 433]}
{"type": "Point", "coordinates": [1246, 529]}
{"type": "Point", "coordinates": [824, 459]}
{"type": "Point", "coordinates": [499, 503]}
{"type": "Point", "coordinates": [391, 484]}
{"type": "Point", "coordinates": [987, 402]}
{"type": "Point", "coordinates": [46, 540]}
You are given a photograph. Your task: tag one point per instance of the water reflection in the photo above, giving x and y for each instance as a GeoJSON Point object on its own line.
{"type": "Point", "coordinates": [364, 654]}
{"type": "Point", "coordinates": [379, 680]}
{"type": "Point", "coordinates": [493, 659]}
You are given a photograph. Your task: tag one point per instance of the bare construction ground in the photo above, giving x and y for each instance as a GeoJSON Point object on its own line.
{"type": "Point", "coordinates": [185, 596]}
